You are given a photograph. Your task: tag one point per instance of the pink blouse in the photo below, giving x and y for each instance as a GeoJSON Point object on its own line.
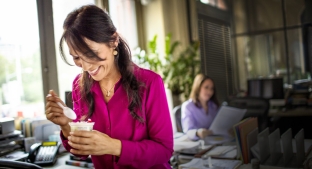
{"type": "Point", "coordinates": [144, 145]}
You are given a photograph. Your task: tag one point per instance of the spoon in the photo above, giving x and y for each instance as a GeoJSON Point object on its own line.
{"type": "Point", "coordinates": [66, 110]}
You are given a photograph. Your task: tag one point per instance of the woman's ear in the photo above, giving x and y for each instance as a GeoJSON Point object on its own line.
{"type": "Point", "coordinates": [115, 43]}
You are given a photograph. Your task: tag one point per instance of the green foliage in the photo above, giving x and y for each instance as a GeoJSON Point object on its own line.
{"type": "Point", "coordinates": [183, 71]}
{"type": "Point", "coordinates": [177, 72]}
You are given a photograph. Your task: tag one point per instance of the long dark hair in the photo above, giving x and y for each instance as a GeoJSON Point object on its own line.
{"type": "Point", "coordinates": [93, 23]}
{"type": "Point", "coordinates": [198, 81]}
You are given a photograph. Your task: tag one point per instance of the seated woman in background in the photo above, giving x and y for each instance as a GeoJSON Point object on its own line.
{"type": "Point", "coordinates": [200, 110]}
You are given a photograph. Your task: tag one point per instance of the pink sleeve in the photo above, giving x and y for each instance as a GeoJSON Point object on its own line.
{"type": "Point", "coordinates": [159, 147]}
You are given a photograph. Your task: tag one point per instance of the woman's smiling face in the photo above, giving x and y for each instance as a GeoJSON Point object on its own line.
{"type": "Point", "coordinates": [97, 69]}
{"type": "Point", "coordinates": [206, 90]}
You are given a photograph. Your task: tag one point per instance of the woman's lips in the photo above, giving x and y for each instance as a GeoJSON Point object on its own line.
{"type": "Point", "coordinates": [94, 72]}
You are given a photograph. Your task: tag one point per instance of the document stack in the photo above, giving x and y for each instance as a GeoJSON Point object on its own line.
{"type": "Point", "coordinates": [9, 137]}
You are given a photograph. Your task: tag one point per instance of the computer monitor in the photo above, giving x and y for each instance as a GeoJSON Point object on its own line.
{"type": "Point", "coordinates": [270, 88]}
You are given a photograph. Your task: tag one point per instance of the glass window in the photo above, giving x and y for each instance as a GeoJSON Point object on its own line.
{"type": "Point", "coordinates": [216, 3]}
{"type": "Point", "coordinates": [294, 10]}
{"type": "Point", "coordinates": [264, 53]}
{"type": "Point", "coordinates": [263, 56]}
{"type": "Point", "coordinates": [264, 14]}
{"type": "Point", "coordinates": [296, 56]}
{"type": "Point", "coordinates": [66, 73]}
{"type": "Point", "coordinates": [240, 16]}
{"type": "Point", "coordinates": [123, 15]}
{"type": "Point", "coordinates": [21, 91]}
{"type": "Point", "coordinates": [243, 60]}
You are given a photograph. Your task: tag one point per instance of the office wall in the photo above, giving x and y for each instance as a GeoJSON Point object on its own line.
{"type": "Point", "coordinates": [162, 17]}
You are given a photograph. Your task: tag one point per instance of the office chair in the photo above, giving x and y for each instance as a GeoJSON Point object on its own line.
{"type": "Point", "coordinates": [177, 115]}
{"type": "Point", "coordinates": [256, 107]}
{"type": "Point", "coordinates": [68, 99]}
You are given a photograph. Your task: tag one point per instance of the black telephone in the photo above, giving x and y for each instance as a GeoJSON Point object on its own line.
{"type": "Point", "coordinates": [44, 153]}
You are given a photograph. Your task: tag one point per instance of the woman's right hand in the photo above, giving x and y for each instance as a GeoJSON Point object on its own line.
{"type": "Point", "coordinates": [54, 112]}
{"type": "Point", "coordinates": [202, 133]}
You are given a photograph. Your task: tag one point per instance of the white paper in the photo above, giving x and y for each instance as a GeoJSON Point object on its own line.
{"type": "Point", "coordinates": [226, 118]}
{"type": "Point", "coordinates": [184, 145]}
{"type": "Point", "coordinates": [197, 163]}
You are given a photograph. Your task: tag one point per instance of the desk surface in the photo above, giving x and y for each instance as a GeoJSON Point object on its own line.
{"type": "Point", "coordinates": [181, 159]}
{"type": "Point", "coordinates": [292, 112]}
{"type": "Point", "coordinates": [60, 163]}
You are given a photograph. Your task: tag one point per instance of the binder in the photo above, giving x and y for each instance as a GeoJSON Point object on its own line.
{"type": "Point", "coordinates": [241, 130]}
{"type": "Point", "coordinates": [237, 138]}
{"type": "Point", "coordinates": [245, 128]}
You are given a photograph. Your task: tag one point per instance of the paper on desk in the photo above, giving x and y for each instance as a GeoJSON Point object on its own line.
{"type": "Point", "coordinates": [198, 163]}
{"type": "Point", "coordinates": [179, 145]}
{"type": "Point", "coordinates": [217, 139]}
{"type": "Point", "coordinates": [220, 150]}
{"type": "Point", "coordinates": [229, 155]}
{"type": "Point", "coordinates": [183, 142]}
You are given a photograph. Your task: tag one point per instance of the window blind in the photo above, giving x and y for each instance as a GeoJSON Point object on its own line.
{"type": "Point", "coordinates": [215, 53]}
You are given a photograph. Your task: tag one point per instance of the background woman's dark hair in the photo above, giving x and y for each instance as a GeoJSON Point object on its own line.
{"type": "Point", "coordinates": [93, 23]}
{"type": "Point", "coordinates": [198, 81]}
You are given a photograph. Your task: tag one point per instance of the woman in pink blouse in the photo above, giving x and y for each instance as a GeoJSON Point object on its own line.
{"type": "Point", "coordinates": [127, 103]}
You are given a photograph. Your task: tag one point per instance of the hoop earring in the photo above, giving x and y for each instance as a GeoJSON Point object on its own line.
{"type": "Point", "coordinates": [115, 52]}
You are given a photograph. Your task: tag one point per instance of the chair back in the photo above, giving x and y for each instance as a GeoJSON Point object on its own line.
{"type": "Point", "coordinates": [177, 115]}
{"type": "Point", "coordinates": [256, 107]}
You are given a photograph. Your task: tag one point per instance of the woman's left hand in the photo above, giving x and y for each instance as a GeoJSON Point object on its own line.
{"type": "Point", "coordinates": [93, 143]}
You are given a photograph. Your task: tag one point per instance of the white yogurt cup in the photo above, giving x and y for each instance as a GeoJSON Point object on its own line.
{"type": "Point", "coordinates": [74, 126]}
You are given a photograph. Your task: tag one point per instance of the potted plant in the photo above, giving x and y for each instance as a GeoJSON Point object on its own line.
{"type": "Point", "coordinates": [177, 73]}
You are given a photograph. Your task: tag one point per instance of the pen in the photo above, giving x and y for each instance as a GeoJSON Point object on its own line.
{"type": "Point", "coordinates": [79, 164]}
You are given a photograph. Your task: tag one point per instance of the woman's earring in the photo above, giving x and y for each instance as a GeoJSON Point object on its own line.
{"type": "Point", "coordinates": [115, 52]}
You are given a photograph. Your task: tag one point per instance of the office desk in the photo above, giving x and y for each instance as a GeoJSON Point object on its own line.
{"type": "Point", "coordinates": [291, 113]}
{"type": "Point", "coordinates": [296, 119]}
{"type": "Point", "coordinates": [248, 166]}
